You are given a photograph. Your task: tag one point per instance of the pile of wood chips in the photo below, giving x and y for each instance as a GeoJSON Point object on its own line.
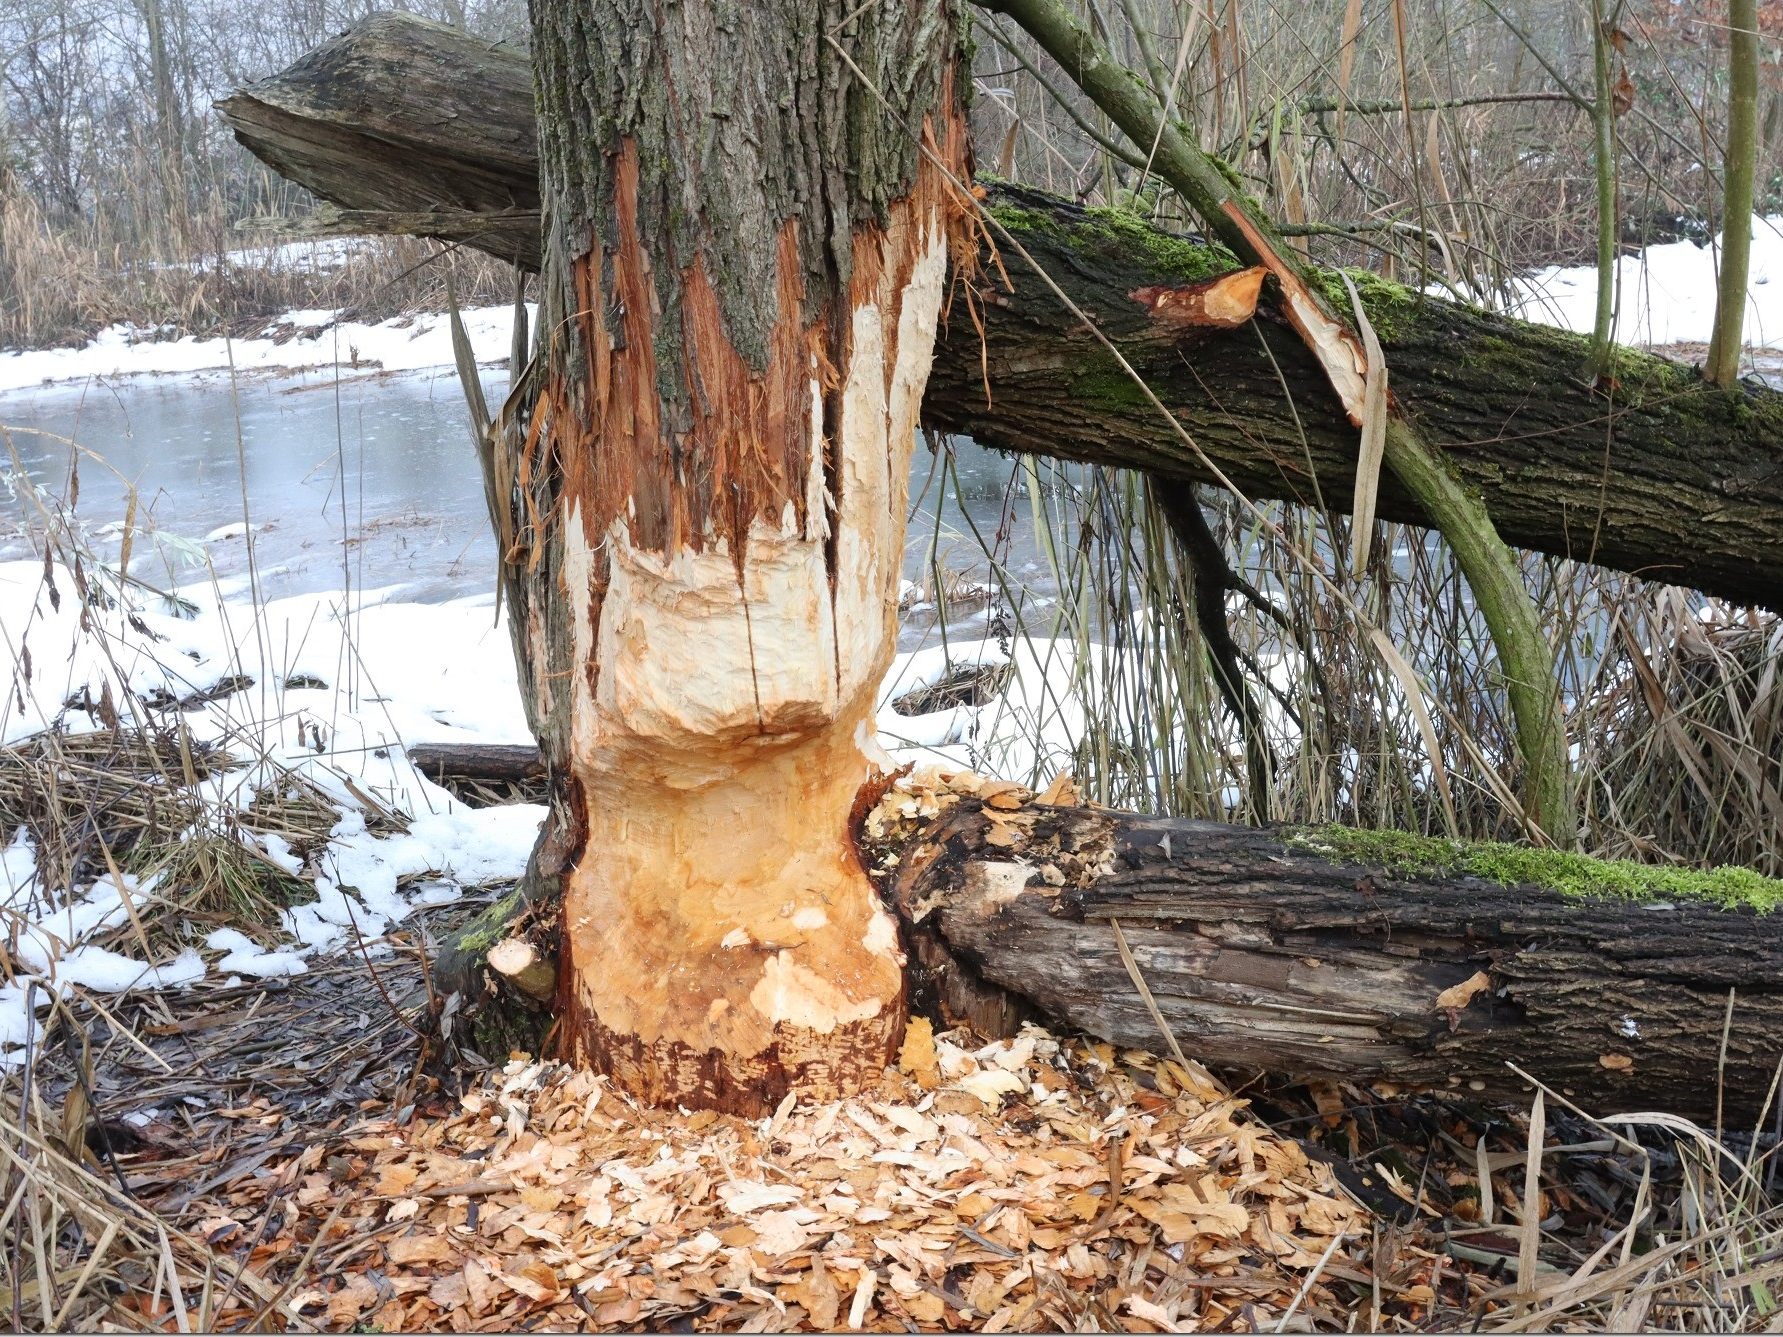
{"type": "Point", "coordinates": [1026, 1185]}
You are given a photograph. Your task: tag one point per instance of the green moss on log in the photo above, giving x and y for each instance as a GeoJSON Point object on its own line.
{"type": "Point", "coordinates": [1183, 259]}
{"type": "Point", "coordinates": [490, 926]}
{"type": "Point", "coordinates": [1574, 875]}
{"type": "Point", "coordinates": [1392, 307]}
{"type": "Point", "coordinates": [1120, 235]}
{"type": "Point", "coordinates": [1104, 382]}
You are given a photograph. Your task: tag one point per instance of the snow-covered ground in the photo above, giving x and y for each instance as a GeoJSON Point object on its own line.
{"type": "Point", "coordinates": [297, 341]}
{"type": "Point", "coordinates": [1666, 294]}
{"type": "Point", "coordinates": [337, 693]}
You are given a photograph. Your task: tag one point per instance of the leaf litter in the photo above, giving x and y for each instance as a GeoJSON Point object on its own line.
{"type": "Point", "coordinates": [1022, 1185]}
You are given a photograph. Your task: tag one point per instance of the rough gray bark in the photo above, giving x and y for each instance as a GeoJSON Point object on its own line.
{"type": "Point", "coordinates": [506, 763]}
{"type": "Point", "coordinates": [1262, 954]}
{"type": "Point", "coordinates": [1658, 474]}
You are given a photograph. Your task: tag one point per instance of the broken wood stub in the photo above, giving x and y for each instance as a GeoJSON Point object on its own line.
{"type": "Point", "coordinates": [1262, 954]}
{"type": "Point", "coordinates": [1221, 303]}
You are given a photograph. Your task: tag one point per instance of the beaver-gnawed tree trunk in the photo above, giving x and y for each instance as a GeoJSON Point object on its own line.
{"type": "Point", "coordinates": [700, 483]}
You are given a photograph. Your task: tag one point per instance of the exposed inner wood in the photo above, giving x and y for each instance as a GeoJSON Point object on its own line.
{"type": "Point", "coordinates": [723, 936]}
{"type": "Point", "coordinates": [1222, 303]}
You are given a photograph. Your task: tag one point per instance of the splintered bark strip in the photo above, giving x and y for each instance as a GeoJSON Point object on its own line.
{"type": "Point", "coordinates": [1374, 438]}
{"type": "Point", "coordinates": [1221, 303]}
{"type": "Point", "coordinates": [1338, 350]}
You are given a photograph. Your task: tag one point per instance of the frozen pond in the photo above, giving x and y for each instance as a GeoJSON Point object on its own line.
{"type": "Point", "coordinates": [370, 482]}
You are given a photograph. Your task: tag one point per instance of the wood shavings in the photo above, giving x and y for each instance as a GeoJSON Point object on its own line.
{"type": "Point", "coordinates": [1022, 1185]}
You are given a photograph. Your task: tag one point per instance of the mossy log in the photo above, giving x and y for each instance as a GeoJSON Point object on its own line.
{"type": "Point", "coordinates": [1361, 955]}
{"type": "Point", "coordinates": [416, 128]}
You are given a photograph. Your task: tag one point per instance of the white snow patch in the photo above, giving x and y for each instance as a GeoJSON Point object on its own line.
{"type": "Point", "coordinates": [298, 341]}
{"type": "Point", "coordinates": [1665, 295]}
{"type": "Point", "coordinates": [250, 958]}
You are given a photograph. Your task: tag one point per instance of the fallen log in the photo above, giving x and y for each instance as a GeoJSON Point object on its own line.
{"type": "Point", "coordinates": [497, 763]}
{"type": "Point", "coordinates": [1357, 955]}
{"type": "Point", "coordinates": [1318, 953]}
{"type": "Point", "coordinates": [416, 128]}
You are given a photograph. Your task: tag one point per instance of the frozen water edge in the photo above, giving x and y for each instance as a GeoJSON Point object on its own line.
{"type": "Point", "coordinates": [297, 341]}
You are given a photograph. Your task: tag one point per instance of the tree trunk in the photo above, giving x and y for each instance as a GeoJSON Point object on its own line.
{"type": "Point", "coordinates": [745, 250]}
{"type": "Point", "coordinates": [1739, 166]}
{"type": "Point", "coordinates": [420, 129]}
{"type": "Point", "coordinates": [1303, 954]}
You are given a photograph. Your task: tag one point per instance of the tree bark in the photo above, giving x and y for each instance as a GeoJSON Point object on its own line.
{"type": "Point", "coordinates": [700, 491]}
{"type": "Point", "coordinates": [502, 763]}
{"type": "Point", "coordinates": [1262, 953]}
{"type": "Point", "coordinates": [1658, 475]}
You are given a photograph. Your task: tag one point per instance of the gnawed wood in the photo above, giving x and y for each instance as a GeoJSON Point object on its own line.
{"type": "Point", "coordinates": [1668, 478]}
{"type": "Point", "coordinates": [1222, 303]}
{"type": "Point", "coordinates": [525, 968]}
{"type": "Point", "coordinates": [709, 455]}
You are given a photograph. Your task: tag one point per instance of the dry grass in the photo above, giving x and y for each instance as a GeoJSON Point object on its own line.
{"type": "Point", "coordinates": [1682, 734]}
{"type": "Point", "coordinates": [193, 273]}
{"type": "Point", "coordinates": [78, 1253]}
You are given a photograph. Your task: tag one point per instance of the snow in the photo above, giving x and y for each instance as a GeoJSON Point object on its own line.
{"type": "Point", "coordinates": [1666, 294]}
{"type": "Point", "coordinates": [249, 958]}
{"type": "Point", "coordinates": [240, 529]}
{"type": "Point", "coordinates": [298, 341]}
{"type": "Point", "coordinates": [320, 255]}
{"type": "Point", "coordinates": [392, 673]}
{"type": "Point", "coordinates": [396, 673]}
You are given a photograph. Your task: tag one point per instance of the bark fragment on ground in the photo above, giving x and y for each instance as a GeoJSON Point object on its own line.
{"type": "Point", "coordinates": [1658, 474]}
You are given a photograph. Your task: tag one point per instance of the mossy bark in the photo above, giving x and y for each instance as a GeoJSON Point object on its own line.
{"type": "Point", "coordinates": [1309, 953]}
{"type": "Point", "coordinates": [479, 1008]}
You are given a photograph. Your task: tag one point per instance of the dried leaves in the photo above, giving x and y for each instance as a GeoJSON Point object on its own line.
{"type": "Point", "coordinates": [971, 1191]}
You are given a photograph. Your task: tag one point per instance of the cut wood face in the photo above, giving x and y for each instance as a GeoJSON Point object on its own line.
{"type": "Point", "coordinates": [724, 940]}
{"type": "Point", "coordinates": [745, 253]}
